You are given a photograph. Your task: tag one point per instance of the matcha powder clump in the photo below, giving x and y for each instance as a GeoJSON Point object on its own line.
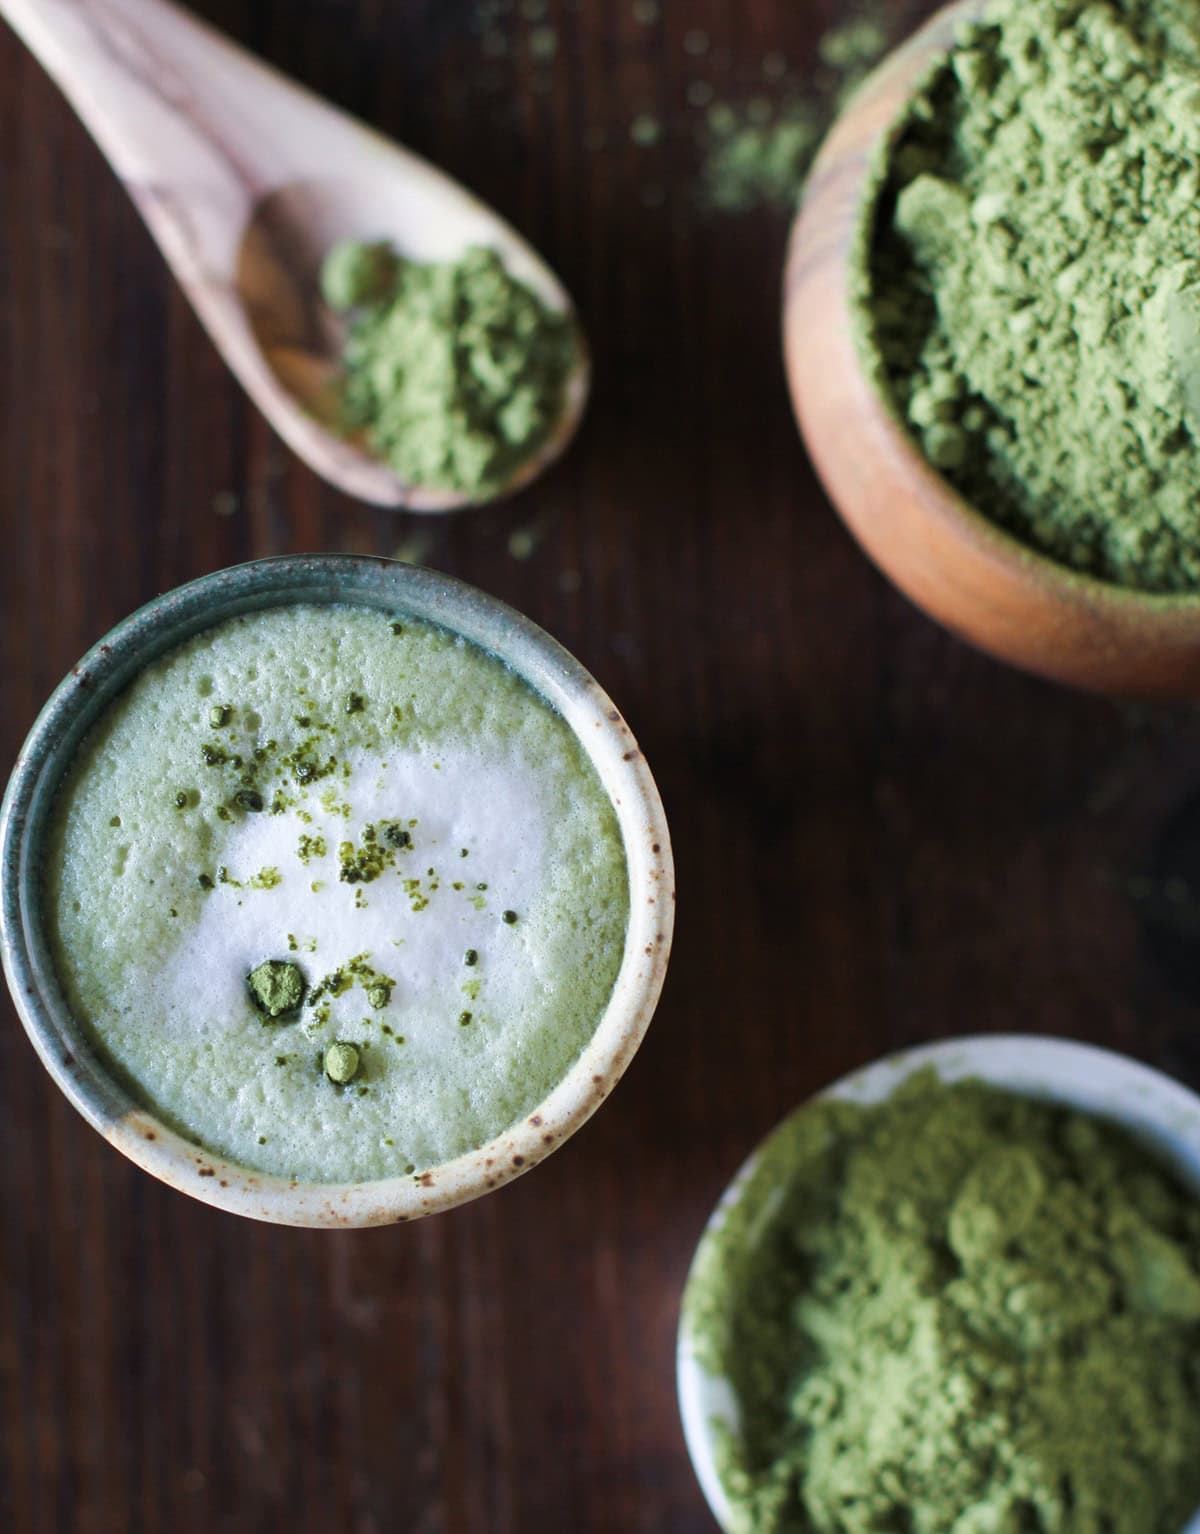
{"type": "Point", "coordinates": [454, 371]}
{"type": "Point", "coordinates": [1034, 284]}
{"type": "Point", "coordinates": [957, 1312]}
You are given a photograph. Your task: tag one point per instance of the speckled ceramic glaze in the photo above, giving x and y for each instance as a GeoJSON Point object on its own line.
{"type": "Point", "coordinates": [1159, 1112]}
{"type": "Point", "coordinates": [394, 588]}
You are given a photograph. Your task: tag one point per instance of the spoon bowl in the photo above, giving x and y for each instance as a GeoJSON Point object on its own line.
{"type": "Point", "coordinates": [958, 566]}
{"type": "Point", "coordinates": [285, 242]}
{"type": "Point", "coordinates": [246, 180]}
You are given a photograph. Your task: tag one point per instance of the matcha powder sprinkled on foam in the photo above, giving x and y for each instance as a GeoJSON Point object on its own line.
{"type": "Point", "coordinates": [1034, 291]}
{"type": "Point", "coordinates": [455, 371]}
{"type": "Point", "coordinates": [341, 1062]}
{"type": "Point", "coordinates": [956, 1312]}
{"type": "Point", "coordinates": [276, 987]}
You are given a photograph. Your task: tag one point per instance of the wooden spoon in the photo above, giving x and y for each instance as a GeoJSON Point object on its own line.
{"type": "Point", "coordinates": [246, 180]}
{"type": "Point", "coordinates": [961, 568]}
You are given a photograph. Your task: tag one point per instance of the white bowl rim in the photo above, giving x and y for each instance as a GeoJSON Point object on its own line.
{"type": "Point", "coordinates": [1157, 1110]}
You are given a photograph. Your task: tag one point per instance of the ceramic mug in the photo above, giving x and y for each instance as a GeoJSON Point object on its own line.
{"type": "Point", "coordinates": [167, 622]}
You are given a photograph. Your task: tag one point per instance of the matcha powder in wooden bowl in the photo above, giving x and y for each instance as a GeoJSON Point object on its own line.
{"type": "Point", "coordinates": [1033, 286]}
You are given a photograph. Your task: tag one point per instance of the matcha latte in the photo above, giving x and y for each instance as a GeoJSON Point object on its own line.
{"type": "Point", "coordinates": [337, 893]}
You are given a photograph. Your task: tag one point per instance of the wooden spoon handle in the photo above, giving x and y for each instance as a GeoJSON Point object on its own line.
{"type": "Point", "coordinates": [245, 179]}
{"type": "Point", "coordinates": [159, 93]}
{"type": "Point", "coordinates": [198, 129]}
{"type": "Point", "coordinates": [200, 133]}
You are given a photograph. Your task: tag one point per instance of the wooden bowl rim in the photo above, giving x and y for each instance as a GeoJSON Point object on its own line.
{"type": "Point", "coordinates": [1171, 612]}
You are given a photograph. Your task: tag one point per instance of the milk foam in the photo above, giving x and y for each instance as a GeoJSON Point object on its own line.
{"type": "Point", "coordinates": [504, 815]}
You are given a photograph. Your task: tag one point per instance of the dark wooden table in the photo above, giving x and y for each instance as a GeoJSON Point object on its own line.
{"type": "Point", "coordinates": [881, 836]}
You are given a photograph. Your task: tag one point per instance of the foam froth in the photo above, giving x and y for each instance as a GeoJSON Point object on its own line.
{"type": "Point", "coordinates": [382, 804]}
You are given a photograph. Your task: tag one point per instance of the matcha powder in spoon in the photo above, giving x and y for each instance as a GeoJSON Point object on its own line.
{"type": "Point", "coordinates": [1033, 291]}
{"type": "Point", "coordinates": [454, 371]}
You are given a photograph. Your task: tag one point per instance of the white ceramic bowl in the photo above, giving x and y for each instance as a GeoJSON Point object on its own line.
{"type": "Point", "coordinates": [1158, 1111]}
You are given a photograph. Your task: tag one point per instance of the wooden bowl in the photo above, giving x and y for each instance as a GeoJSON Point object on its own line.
{"type": "Point", "coordinates": [961, 568]}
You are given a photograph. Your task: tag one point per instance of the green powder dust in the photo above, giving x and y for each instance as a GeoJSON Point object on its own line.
{"type": "Point", "coordinates": [454, 371]}
{"type": "Point", "coordinates": [341, 1062]}
{"type": "Point", "coordinates": [276, 986]}
{"type": "Point", "coordinates": [852, 49]}
{"type": "Point", "coordinates": [1034, 282]}
{"type": "Point", "coordinates": [752, 164]}
{"type": "Point", "coordinates": [756, 152]}
{"type": "Point", "coordinates": [957, 1312]}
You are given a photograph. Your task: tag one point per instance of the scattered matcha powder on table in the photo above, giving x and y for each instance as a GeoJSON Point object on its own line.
{"type": "Point", "coordinates": [852, 49]}
{"type": "Point", "coordinates": [751, 164]}
{"type": "Point", "coordinates": [956, 1312]}
{"type": "Point", "coordinates": [454, 371]}
{"type": "Point", "coordinates": [756, 152]}
{"type": "Point", "coordinates": [1034, 283]}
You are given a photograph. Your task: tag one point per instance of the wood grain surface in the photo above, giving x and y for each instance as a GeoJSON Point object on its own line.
{"type": "Point", "coordinates": [882, 837]}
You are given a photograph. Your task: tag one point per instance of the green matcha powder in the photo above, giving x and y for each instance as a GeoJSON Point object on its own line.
{"type": "Point", "coordinates": [455, 372]}
{"type": "Point", "coordinates": [958, 1312]}
{"type": "Point", "coordinates": [1033, 291]}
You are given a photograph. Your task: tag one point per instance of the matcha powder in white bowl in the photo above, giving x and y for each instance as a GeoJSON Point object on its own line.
{"type": "Point", "coordinates": [957, 1306]}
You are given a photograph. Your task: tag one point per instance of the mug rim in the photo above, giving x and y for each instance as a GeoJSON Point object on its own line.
{"type": "Point", "coordinates": [1159, 1112]}
{"type": "Point", "coordinates": [94, 1087]}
